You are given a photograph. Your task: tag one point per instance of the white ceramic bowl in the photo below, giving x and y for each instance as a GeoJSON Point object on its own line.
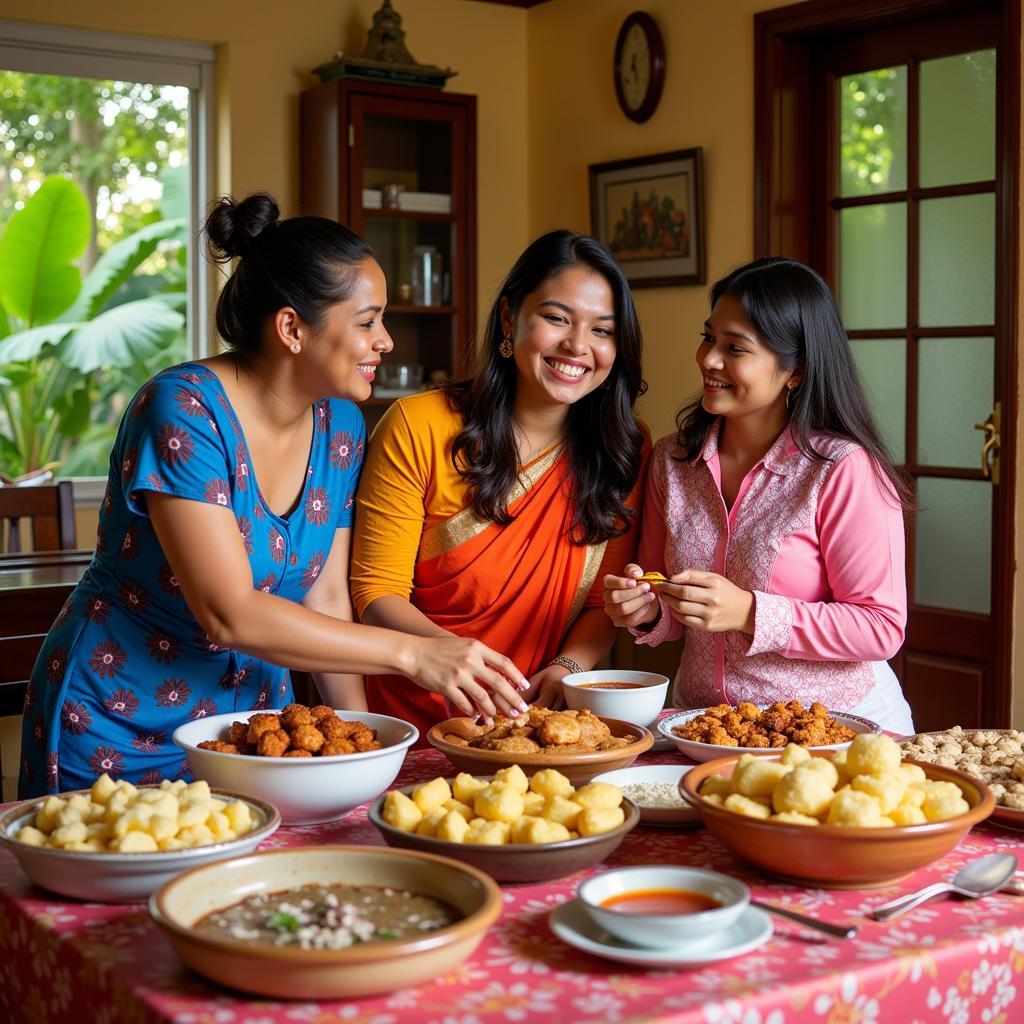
{"type": "Point", "coordinates": [640, 706]}
{"type": "Point", "coordinates": [122, 877]}
{"type": "Point", "coordinates": [659, 931]}
{"type": "Point", "coordinates": [664, 774]}
{"type": "Point", "coordinates": [709, 751]}
{"type": "Point", "coordinates": [306, 790]}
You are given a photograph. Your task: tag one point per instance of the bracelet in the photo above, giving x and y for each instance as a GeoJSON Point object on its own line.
{"type": "Point", "coordinates": [566, 662]}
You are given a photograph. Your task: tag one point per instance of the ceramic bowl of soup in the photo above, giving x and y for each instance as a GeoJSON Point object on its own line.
{"type": "Point", "coordinates": [264, 923]}
{"type": "Point", "coordinates": [635, 697]}
{"type": "Point", "coordinates": [659, 906]}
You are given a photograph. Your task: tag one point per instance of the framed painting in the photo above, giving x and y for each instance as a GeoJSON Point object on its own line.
{"type": "Point", "coordinates": [650, 212]}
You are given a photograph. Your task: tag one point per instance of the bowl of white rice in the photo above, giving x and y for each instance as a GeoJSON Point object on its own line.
{"type": "Point", "coordinates": [654, 788]}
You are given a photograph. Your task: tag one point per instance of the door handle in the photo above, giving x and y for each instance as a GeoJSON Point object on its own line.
{"type": "Point", "coordinates": [990, 446]}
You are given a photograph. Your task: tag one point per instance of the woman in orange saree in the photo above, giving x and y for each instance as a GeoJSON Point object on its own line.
{"type": "Point", "coordinates": [493, 508]}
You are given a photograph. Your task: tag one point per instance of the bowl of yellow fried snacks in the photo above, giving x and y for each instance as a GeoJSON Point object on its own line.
{"type": "Point", "coordinates": [514, 828]}
{"type": "Point", "coordinates": [854, 818]}
{"type": "Point", "coordinates": [577, 743]}
{"type": "Point", "coordinates": [313, 764]}
{"type": "Point", "coordinates": [116, 843]}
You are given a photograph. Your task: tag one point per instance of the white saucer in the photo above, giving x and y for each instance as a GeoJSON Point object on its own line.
{"type": "Point", "coordinates": [686, 814]}
{"type": "Point", "coordinates": [571, 923]}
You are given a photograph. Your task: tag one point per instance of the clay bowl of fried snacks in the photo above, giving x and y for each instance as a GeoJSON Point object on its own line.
{"type": "Point", "coordinates": [311, 787]}
{"type": "Point", "coordinates": [408, 918]}
{"type": "Point", "coordinates": [579, 744]}
{"type": "Point", "coordinates": [706, 733]}
{"type": "Point", "coordinates": [516, 829]}
{"type": "Point", "coordinates": [116, 843]}
{"type": "Point", "coordinates": [853, 819]}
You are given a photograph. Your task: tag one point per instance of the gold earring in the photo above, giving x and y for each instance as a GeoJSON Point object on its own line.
{"type": "Point", "coordinates": [505, 348]}
{"type": "Point", "coordinates": [296, 348]}
{"type": "Point", "coordinates": [789, 393]}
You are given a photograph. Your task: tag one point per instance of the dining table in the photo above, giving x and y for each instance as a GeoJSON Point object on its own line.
{"type": "Point", "coordinates": [951, 960]}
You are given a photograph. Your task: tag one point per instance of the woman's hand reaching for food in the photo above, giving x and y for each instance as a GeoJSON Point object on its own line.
{"type": "Point", "coordinates": [630, 601]}
{"type": "Point", "coordinates": [467, 673]}
{"type": "Point", "coordinates": [546, 687]}
{"type": "Point", "coordinates": [709, 602]}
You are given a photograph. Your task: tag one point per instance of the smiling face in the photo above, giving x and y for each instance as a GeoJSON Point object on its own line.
{"type": "Point", "coordinates": [564, 338]}
{"type": "Point", "coordinates": [342, 358]}
{"type": "Point", "coordinates": [742, 376]}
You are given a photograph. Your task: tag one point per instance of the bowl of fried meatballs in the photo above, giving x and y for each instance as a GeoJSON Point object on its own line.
{"type": "Point", "coordinates": [706, 733]}
{"type": "Point", "coordinates": [314, 764]}
{"type": "Point", "coordinates": [577, 743]}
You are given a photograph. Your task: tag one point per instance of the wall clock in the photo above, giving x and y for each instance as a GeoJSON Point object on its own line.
{"type": "Point", "coordinates": [639, 66]}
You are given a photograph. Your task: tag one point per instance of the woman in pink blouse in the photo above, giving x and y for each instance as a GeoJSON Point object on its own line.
{"type": "Point", "coordinates": [776, 514]}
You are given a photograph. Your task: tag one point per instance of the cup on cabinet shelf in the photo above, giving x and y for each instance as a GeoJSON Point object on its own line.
{"type": "Point", "coordinates": [427, 276]}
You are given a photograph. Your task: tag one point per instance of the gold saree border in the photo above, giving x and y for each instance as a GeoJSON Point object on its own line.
{"type": "Point", "coordinates": [595, 556]}
{"type": "Point", "coordinates": [466, 525]}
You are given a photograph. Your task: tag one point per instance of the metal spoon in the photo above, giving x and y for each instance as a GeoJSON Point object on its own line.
{"type": "Point", "coordinates": [837, 931]}
{"type": "Point", "coordinates": [981, 877]}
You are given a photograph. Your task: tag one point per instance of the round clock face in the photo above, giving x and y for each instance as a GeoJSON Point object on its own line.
{"type": "Point", "coordinates": [636, 67]}
{"type": "Point", "coordinates": [639, 66]}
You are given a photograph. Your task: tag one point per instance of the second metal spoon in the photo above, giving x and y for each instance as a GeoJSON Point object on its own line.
{"type": "Point", "coordinates": [980, 877]}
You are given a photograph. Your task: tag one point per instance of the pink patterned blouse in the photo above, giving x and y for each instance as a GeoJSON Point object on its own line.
{"type": "Point", "coordinates": [820, 544]}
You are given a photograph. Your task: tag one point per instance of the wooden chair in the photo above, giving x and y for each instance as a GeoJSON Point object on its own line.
{"type": "Point", "coordinates": [49, 511]}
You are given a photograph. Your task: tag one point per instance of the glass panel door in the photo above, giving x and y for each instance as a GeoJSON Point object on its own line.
{"type": "Point", "coordinates": [914, 201]}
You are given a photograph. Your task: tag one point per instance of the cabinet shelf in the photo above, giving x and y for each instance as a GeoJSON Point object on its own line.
{"type": "Point", "coordinates": [407, 215]}
{"type": "Point", "coordinates": [408, 310]}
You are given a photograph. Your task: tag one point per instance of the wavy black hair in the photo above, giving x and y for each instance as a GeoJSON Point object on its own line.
{"type": "Point", "coordinates": [796, 316]}
{"type": "Point", "coordinates": [603, 438]}
{"type": "Point", "coordinates": [307, 263]}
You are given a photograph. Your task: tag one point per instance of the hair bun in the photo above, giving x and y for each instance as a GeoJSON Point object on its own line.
{"type": "Point", "coordinates": [232, 227]}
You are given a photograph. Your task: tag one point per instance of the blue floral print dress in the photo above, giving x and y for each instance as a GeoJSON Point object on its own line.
{"type": "Point", "coordinates": [126, 662]}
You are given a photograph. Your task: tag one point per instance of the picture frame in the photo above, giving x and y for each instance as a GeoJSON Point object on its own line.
{"type": "Point", "coordinates": [649, 211]}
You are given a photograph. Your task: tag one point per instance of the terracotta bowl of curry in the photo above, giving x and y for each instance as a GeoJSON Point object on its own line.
{"type": "Point", "coordinates": [453, 736]}
{"type": "Point", "coordinates": [403, 915]}
{"type": "Point", "coordinates": [830, 856]}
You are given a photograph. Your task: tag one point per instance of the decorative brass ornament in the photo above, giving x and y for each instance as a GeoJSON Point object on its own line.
{"type": "Point", "coordinates": [385, 57]}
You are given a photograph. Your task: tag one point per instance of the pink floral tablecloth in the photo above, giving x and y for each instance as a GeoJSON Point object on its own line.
{"type": "Point", "coordinates": [949, 961]}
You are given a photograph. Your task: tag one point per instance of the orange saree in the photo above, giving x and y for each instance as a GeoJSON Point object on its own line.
{"type": "Point", "coordinates": [517, 588]}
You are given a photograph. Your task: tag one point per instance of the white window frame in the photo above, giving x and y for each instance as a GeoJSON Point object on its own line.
{"type": "Point", "coordinates": [83, 53]}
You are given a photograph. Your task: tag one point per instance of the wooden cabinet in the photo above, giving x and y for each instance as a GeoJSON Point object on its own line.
{"type": "Point", "coordinates": [398, 165]}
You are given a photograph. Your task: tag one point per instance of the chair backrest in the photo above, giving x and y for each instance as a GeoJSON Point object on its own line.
{"type": "Point", "coordinates": [50, 512]}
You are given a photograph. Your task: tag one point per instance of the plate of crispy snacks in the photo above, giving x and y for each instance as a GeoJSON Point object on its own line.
{"type": "Point", "coordinates": [577, 743]}
{"type": "Point", "coordinates": [117, 842]}
{"type": "Point", "coordinates": [314, 764]}
{"type": "Point", "coordinates": [515, 828]}
{"type": "Point", "coordinates": [996, 756]}
{"type": "Point", "coordinates": [745, 728]}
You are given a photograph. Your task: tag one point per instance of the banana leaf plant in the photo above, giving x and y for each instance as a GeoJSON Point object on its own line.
{"type": "Point", "coordinates": [72, 351]}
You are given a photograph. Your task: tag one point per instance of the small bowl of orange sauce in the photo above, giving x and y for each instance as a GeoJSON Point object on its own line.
{"type": "Point", "coordinates": [663, 906]}
{"type": "Point", "coordinates": [635, 697]}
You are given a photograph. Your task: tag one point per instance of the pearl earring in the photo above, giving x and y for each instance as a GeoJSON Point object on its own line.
{"type": "Point", "coordinates": [296, 348]}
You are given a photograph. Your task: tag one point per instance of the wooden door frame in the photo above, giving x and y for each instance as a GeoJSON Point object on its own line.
{"type": "Point", "coordinates": [784, 188]}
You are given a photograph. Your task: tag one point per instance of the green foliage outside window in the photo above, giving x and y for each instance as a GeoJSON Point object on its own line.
{"type": "Point", "coordinates": [93, 261]}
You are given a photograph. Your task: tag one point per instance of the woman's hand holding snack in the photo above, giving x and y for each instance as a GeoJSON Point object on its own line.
{"type": "Point", "coordinates": [629, 600]}
{"type": "Point", "coordinates": [708, 601]}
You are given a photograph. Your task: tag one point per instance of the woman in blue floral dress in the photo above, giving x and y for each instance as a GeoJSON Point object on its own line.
{"type": "Point", "coordinates": [223, 545]}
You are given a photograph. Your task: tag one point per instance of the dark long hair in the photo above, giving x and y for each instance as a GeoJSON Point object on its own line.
{"type": "Point", "coordinates": [307, 263]}
{"type": "Point", "coordinates": [603, 439]}
{"type": "Point", "coordinates": [795, 315]}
